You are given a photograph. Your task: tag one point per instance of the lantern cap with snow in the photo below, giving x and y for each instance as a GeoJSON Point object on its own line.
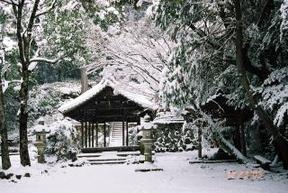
{"type": "Point", "coordinates": [40, 130]}
{"type": "Point", "coordinates": [147, 123]}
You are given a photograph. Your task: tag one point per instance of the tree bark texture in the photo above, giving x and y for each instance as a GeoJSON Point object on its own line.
{"type": "Point", "coordinates": [279, 141]}
{"type": "Point", "coordinates": [6, 164]}
{"type": "Point", "coordinates": [23, 119]}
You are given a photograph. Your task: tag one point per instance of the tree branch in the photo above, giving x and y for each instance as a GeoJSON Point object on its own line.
{"type": "Point", "coordinates": [11, 2]}
{"type": "Point", "coordinates": [266, 12]}
{"type": "Point", "coordinates": [46, 60]}
{"type": "Point", "coordinates": [52, 6]}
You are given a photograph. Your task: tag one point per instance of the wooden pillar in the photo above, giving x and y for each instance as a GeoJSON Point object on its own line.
{"type": "Point", "coordinates": [123, 133]}
{"type": "Point", "coordinates": [86, 134]}
{"type": "Point", "coordinates": [82, 134]}
{"type": "Point", "coordinates": [104, 134]}
{"type": "Point", "coordinates": [93, 128]}
{"type": "Point", "coordinates": [89, 133]}
{"type": "Point", "coordinates": [127, 136]}
{"type": "Point", "coordinates": [96, 134]}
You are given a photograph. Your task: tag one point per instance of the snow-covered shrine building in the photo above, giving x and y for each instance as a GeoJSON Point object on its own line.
{"type": "Point", "coordinates": [105, 113]}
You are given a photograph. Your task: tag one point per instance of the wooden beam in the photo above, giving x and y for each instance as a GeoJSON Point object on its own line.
{"type": "Point", "coordinates": [108, 118]}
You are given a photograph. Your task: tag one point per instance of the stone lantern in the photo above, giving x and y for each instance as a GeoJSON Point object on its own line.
{"type": "Point", "coordinates": [40, 143]}
{"type": "Point", "coordinates": [147, 139]}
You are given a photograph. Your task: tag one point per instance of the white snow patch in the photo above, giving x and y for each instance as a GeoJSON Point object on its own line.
{"type": "Point", "coordinates": [178, 176]}
{"type": "Point", "coordinates": [8, 43]}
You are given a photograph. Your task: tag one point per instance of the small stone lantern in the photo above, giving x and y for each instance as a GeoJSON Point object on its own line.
{"type": "Point", "coordinates": [40, 143]}
{"type": "Point", "coordinates": [147, 139]}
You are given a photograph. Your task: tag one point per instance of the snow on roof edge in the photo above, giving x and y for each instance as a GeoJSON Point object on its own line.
{"type": "Point", "coordinates": [139, 99]}
{"type": "Point", "coordinates": [74, 103]}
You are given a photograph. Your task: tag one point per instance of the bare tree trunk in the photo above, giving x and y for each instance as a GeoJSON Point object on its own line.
{"type": "Point", "coordinates": [279, 141]}
{"type": "Point", "coordinates": [84, 80]}
{"type": "Point", "coordinates": [6, 164]}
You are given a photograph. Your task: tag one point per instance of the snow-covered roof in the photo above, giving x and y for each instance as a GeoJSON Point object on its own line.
{"type": "Point", "coordinates": [168, 118]}
{"type": "Point", "coordinates": [140, 99]}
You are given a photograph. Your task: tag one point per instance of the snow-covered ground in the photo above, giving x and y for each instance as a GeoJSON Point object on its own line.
{"type": "Point", "coordinates": [178, 177]}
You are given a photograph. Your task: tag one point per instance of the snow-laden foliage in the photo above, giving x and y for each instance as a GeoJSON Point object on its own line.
{"type": "Point", "coordinates": [198, 59]}
{"type": "Point", "coordinates": [134, 138]}
{"type": "Point", "coordinates": [63, 140]}
{"type": "Point", "coordinates": [47, 98]}
{"type": "Point", "coordinates": [275, 95]}
{"type": "Point", "coordinates": [175, 137]}
{"type": "Point", "coordinates": [284, 17]}
{"type": "Point", "coordinates": [136, 56]}
{"type": "Point", "coordinates": [204, 61]}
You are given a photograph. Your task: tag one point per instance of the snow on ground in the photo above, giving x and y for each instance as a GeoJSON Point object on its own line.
{"type": "Point", "coordinates": [178, 177]}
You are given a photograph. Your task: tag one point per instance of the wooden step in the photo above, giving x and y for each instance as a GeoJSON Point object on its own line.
{"type": "Point", "coordinates": [89, 155]}
{"type": "Point", "coordinates": [108, 162]}
{"type": "Point", "coordinates": [103, 149]}
{"type": "Point", "coordinates": [127, 153]}
{"type": "Point", "coordinates": [106, 159]}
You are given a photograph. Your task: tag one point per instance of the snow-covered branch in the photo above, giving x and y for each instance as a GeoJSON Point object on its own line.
{"type": "Point", "coordinates": [46, 60]}
{"type": "Point", "coordinates": [46, 10]}
{"type": "Point", "coordinates": [34, 62]}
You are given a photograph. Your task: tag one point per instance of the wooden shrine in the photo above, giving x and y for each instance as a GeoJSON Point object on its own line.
{"type": "Point", "coordinates": [105, 106]}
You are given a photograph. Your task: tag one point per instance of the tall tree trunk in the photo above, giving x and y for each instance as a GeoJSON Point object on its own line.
{"type": "Point", "coordinates": [279, 141]}
{"type": "Point", "coordinates": [24, 45]}
{"type": "Point", "coordinates": [6, 164]}
{"type": "Point", "coordinates": [23, 118]}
